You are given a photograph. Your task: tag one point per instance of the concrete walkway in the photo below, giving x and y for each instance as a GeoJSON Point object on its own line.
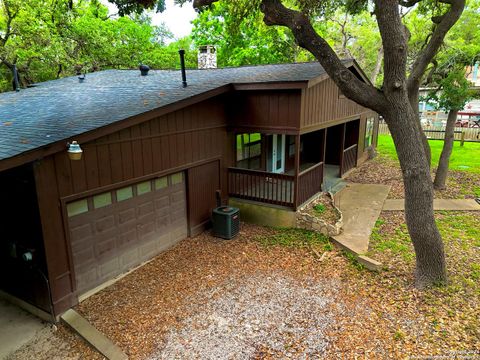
{"type": "Point", "coordinates": [360, 205]}
{"type": "Point", "coordinates": [17, 327]}
{"type": "Point", "coordinates": [438, 204]}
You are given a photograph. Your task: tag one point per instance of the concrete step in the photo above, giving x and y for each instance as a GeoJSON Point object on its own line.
{"type": "Point", "coordinates": [94, 337]}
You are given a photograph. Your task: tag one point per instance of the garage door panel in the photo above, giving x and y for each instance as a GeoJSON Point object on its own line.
{"type": "Point", "coordinates": [162, 202]}
{"type": "Point", "coordinates": [81, 232]}
{"type": "Point", "coordinates": [163, 242]}
{"type": "Point", "coordinates": [85, 256]}
{"type": "Point", "coordinates": [127, 238]}
{"type": "Point", "coordinates": [105, 223]}
{"type": "Point", "coordinates": [105, 247]}
{"type": "Point", "coordinates": [177, 197]}
{"type": "Point", "coordinates": [145, 209]}
{"type": "Point", "coordinates": [127, 216]}
{"type": "Point", "coordinates": [176, 214]}
{"type": "Point", "coordinates": [85, 277]}
{"type": "Point", "coordinates": [162, 221]}
{"type": "Point", "coordinates": [108, 269]}
{"type": "Point", "coordinates": [147, 249]}
{"type": "Point", "coordinates": [146, 230]}
{"type": "Point", "coordinates": [129, 259]}
{"type": "Point", "coordinates": [115, 237]}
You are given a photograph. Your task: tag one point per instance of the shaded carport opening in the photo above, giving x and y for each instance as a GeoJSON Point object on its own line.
{"type": "Point", "coordinates": [21, 235]}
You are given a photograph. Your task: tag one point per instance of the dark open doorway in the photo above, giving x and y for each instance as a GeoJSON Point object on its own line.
{"type": "Point", "coordinates": [333, 155]}
{"type": "Point", "coordinates": [22, 257]}
{"type": "Point", "coordinates": [340, 152]}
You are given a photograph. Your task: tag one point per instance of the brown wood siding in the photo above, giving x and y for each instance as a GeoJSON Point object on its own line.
{"type": "Point", "coordinates": [57, 252]}
{"type": "Point", "coordinates": [185, 138]}
{"type": "Point", "coordinates": [203, 181]}
{"type": "Point", "coordinates": [277, 111]}
{"type": "Point", "coordinates": [322, 103]}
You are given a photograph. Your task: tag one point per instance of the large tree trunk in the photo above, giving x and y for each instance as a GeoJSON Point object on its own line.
{"type": "Point", "coordinates": [414, 96]}
{"type": "Point", "coordinates": [419, 215]}
{"type": "Point", "coordinates": [442, 170]}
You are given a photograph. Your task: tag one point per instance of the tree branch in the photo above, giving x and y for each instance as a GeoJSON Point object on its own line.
{"type": "Point", "coordinates": [201, 3]}
{"type": "Point", "coordinates": [353, 88]}
{"type": "Point", "coordinates": [8, 27]}
{"type": "Point", "coordinates": [446, 21]}
{"type": "Point", "coordinates": [408, 3]}
{"type": "Point", "coordinates": [394, 40]}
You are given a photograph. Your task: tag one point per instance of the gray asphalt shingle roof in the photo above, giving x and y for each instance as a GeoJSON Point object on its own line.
{"type": "Point", "coordinates": [60, 109]}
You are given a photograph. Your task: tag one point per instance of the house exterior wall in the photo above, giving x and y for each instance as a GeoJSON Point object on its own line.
{"type": "Point", "coordinates": [323, 103]}
{"type": "Point", "coordinates": [194, 137]}
{"type": "Point", "coordinates": [273, 111]}
{"type": "Point", "coordinates": [198, 139]}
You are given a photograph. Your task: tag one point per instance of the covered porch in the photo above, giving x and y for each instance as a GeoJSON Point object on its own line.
{"type": "Point", "coordinates": [289, 169]}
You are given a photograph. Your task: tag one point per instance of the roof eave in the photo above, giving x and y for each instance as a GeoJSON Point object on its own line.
{"type": "Point", "coordinates": [272, 85]}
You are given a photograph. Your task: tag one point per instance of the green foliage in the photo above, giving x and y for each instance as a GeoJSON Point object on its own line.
{"type": "Point", "coordinates": [242, 38]}
{"type": "Point", "coordinates": [127, 7]}
{"type": "Point", "coordinates": [319, 208]}
{"type": "Point", "coordinates": [353, 260]}
{"type": "Point", "coordinates": [464, 158]}
{"type": "Point", "coordinates": [453, 92]}
{"type": "Point", "coordinates": [53, 39]}
{"type": "Point", "coordinates": [462, 44]}
{"type": "Point", "coordinates": [354, 36]}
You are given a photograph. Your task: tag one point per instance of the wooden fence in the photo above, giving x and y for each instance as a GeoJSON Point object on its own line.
{"type": "Point", "coordinates": [436, 132]}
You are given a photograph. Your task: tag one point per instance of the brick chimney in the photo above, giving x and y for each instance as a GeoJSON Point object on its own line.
{"type": "Point", "coordinates": [207, 57]}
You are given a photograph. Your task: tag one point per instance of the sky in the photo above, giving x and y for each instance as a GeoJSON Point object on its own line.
{"type": "Point", "coordinates": [177, 19]}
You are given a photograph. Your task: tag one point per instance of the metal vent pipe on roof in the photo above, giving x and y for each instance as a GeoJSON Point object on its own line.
{"type": "Point", "coordinates": [182, 65]}
{"type": "Point", "coordinates": [16, 86]}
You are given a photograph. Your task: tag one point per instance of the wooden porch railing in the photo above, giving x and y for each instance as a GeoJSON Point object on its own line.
{"type": "Point", "coordinates": [261, 186]}
{"type": "Point", "coordinates": [349, 159]}
{"type": "Point", "coordinates": [309, 183]}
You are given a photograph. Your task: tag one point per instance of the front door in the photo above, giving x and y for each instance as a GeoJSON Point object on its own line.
{"type": "Point", "coordinates": [278, 153]}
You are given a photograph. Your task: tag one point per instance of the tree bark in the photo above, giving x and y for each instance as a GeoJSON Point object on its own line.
{"type": "Point", "coordinates": [414, 100]}
{"type": "Point", "coordinates": [419, 215]}
{"type": "Point", "coordinates": [442, 170]}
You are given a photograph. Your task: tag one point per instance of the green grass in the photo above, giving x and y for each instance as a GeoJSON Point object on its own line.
{"type": "Point", "coordinates": [399, 243]}
{"type": "Point", "coordinates": [298, 238]}
{"type": "Point", "coordinates": [463, 158]}
{"type": "Point", "coordinates": [461, 236]}
{"type": "Point", "coordinates": [319, 208]}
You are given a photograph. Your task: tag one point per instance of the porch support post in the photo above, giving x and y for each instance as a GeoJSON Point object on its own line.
{"type": "Point", "coordinates": [342, 148]}
{"type": "Point", "coordinates": [324, 150]}
{"type": "Point", "coordinates": [297, 171]}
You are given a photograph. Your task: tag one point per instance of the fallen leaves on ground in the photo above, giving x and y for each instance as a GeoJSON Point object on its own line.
{"type": "Point", "coordinates": [211, 288]}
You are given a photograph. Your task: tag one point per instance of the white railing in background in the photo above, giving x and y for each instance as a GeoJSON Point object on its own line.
{"type": "Point", "coordinates": [471, 134]}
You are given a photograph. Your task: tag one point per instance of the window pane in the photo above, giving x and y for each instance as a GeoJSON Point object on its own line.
{"type": "Point", "coordinates": [102, 200]}
{"type": "Point", "coordinates": [77, 207]}
{"type": "Point", "coordinates": [161, 183]}
{"type": "Point", "coordinates": [369, 132]}
{"type": "Point", "coordinates": [124, 194]}
{"type": "Point", "coordinates": [144, 187]}
{"type": "Point", "coordinates": [176, 178]}
{"type": "Point", "coordinates": [249, 150]}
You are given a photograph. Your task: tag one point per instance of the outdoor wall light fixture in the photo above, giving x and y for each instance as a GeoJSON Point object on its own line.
{"type": "Point", "coordinates": [74, 151]}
